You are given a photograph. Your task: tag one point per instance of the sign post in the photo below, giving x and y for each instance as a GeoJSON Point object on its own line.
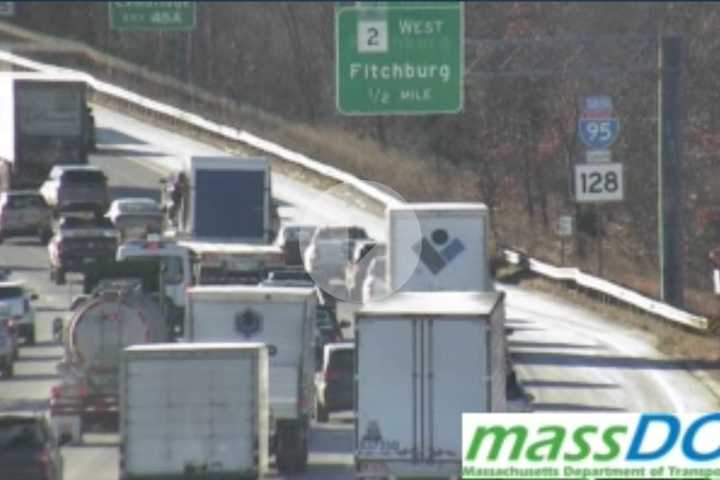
{"type": "Point", "coordinates": [146, 16]}
{"type": "Point", "coordinates": [564, 229]}
{"type": "Point", "coordinates": [397, 58]}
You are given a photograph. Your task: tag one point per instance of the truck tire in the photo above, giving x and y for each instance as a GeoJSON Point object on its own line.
{"type": "Point", "coordinates": [292, 449]}
{"type": "Point", "coordinates": [59, 276]}
{"type": "Point", "coordinates": [301, 460]}
{"type": "Point", "coordinates": [321, 414]}
{"type": "Point", "coordinates": [30, 337]}
{"type": "Point", "coordinates": [45, 237]}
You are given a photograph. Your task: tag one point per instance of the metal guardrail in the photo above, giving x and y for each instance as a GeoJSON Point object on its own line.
{"type": "Point", "coordinates": [622, 294]}
{"type": "Point", "coordinates": [606, 287]}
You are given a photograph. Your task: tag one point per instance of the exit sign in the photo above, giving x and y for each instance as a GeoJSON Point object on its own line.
{"type": "Point", "coordinates": [152, 15]}
{"type": "Point", "coordinates": [403, 58]}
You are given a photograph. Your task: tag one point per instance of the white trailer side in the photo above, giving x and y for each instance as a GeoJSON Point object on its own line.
{"type": "Point", "coordinates": [438, 247]}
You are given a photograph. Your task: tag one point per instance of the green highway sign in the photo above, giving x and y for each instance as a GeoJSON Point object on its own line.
{"type": "Point", "coordinates": [152, 15]}
{"type": "Point", "coordinates": [400, 59]}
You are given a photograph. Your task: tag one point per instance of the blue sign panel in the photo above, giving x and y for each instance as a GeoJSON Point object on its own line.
{"type": "Point", "coordinates": [599, 134]}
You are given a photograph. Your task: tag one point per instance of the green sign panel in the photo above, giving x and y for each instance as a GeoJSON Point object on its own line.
{"type": "Point", "coordinates": [152, 15]}
{"type": "Point", "coordinates": [399, 59]}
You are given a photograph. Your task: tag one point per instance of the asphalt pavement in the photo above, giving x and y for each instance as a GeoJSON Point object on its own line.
{"type": "Point", "coordinates": [570, 359]}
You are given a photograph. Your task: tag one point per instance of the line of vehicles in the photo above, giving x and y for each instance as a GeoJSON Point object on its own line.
{"type": "Point", "coordinates": [203, 337]}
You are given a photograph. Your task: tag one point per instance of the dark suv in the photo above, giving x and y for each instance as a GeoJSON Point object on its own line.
{"type": "Point", "coordinates": [28, 450]}
{"type": "Point", "coordinates": [81, 245]}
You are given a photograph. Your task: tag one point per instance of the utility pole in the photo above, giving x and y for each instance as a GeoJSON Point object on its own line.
{"type": "Point", "coordinates": [670, 225]}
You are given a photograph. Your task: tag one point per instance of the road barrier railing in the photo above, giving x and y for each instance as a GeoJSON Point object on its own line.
{"type": "Point", "coordinates": [114, 94]}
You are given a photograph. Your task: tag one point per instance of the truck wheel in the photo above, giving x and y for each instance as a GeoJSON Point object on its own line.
{"type": "Point", "coordinates": [30, 337]}
{"type": "Point", "coordinates": [288, 450]}
{"type": "Point", "coordinates": [321, 414]}
{"type": "Point", "coordinates": [45, 237]}
{"type": "Point", "coordinates": [301, 458]}
{"type": "Point", "coordinates": [59, 276]}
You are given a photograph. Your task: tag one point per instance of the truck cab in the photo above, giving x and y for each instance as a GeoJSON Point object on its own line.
{"type": "Point", "coordinates": [175, 258]}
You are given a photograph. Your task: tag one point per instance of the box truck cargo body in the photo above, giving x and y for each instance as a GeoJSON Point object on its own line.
{"type": "Point", "coordinates": [229, 200]}
{"type": "Point", "coordinates": [438, 247]}
{"type": "Point", "coordinates": [194, 411]}
{"type": "Point", "coordinates": [284, 319]}
{"type": "Point", "coordinates": [44, 122]}
{"type": "Point", "coordinates": [422, 360]}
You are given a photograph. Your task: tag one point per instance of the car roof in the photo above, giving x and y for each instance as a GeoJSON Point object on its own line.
{"type": "Point", "coordinates": [332, 347]}
{"type": "Point", "coordinates": [148, 200]}
{"type": "Point", "coordinates": [71, 168]}
{"type": "Point", "coordinates": [29, 193]}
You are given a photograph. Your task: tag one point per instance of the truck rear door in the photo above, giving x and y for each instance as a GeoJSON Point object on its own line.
{"type": "Point", "coordinates": [388, 410]}
{"type": "Point", "coordinates": [279, 325]}
{"type": "Point", "coordinates": [455, 358]}
{"type": "Point", "coordinates": [186, 412]}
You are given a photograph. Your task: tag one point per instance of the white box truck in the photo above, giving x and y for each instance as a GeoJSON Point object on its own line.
{"type": "Point", "coordinates": [44, 122]}
{"type": "Point", "coordinates": [284, 319]}
{"type": "Point", "coordinates": [229, 200]}
{"type": "Point", "coordinates": [422, 360]}
{"type": "Point", "coordinates": [438, 247]}
{"type": "Point", "coordinates": [194, 411]}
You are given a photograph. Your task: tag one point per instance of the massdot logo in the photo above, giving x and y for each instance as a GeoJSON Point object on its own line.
{"type": "Point", "coordinates": [437, 252]}
{"type": "Point", "coordinates": [601, 446]}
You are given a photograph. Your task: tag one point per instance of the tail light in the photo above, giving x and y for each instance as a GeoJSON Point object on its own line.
{"type": "Point", "coordinates": [44, 463]}
{"type": "Point", "coordinates": [83, 391]}
{"type": "Point", "coordinates": [56, 391]}
{"type": "Point", "coordinates": [331, 374]}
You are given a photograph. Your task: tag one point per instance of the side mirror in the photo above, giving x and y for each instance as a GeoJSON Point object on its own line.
{"type": "Point", "coordinates": [344, 324]}
{"type": "Point", "coordinates": [34, 296]}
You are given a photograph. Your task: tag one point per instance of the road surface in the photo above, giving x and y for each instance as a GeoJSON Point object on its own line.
{"type": "Point", "coordinates": [568, 358]}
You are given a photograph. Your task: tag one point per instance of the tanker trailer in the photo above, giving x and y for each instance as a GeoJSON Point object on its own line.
{"type": "Point", "coordinates": [119, 314]}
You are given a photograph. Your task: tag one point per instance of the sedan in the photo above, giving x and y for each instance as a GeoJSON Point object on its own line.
{"type": "Point", "coordinates": [135, 217]}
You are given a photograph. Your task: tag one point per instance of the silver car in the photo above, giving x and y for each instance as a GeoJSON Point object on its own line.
{"type": "Point", "coordinates": [18, 300]}
{"type": "Point", "coordinates": [24, 213]}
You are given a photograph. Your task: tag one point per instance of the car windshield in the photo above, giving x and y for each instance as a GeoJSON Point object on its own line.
{"type": "Point", "coordinates": [172, 264]}
{"type": "Point", "coordinates": [26, 201]}
{"type": "Point", "coordinates": [341, 233]}
{"type": "Point", "coordinates": [324, 319]}
{"type": "Point", "coordinates": [11, 292]}
{"type": "Point", "coordinates": [83, 176]}
{"type": "Point", "coordinates": [20, 435]}
{"type": "Point", "coordinates": [139, 208]}
{"type": "Point", "coordinates": [342, 359]}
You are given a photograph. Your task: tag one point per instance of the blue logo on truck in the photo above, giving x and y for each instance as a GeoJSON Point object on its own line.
{"type": "Point", "coordinates": [248, 322]}
{"type": "Point", "coordinates": [439, 250]}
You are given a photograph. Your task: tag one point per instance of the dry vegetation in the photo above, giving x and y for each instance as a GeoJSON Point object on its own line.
{"type": "Point", "coordinates": [511, 147]}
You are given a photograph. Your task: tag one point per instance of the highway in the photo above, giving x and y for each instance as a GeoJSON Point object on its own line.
{"type": "Point", "coordinates": [570, 359]}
